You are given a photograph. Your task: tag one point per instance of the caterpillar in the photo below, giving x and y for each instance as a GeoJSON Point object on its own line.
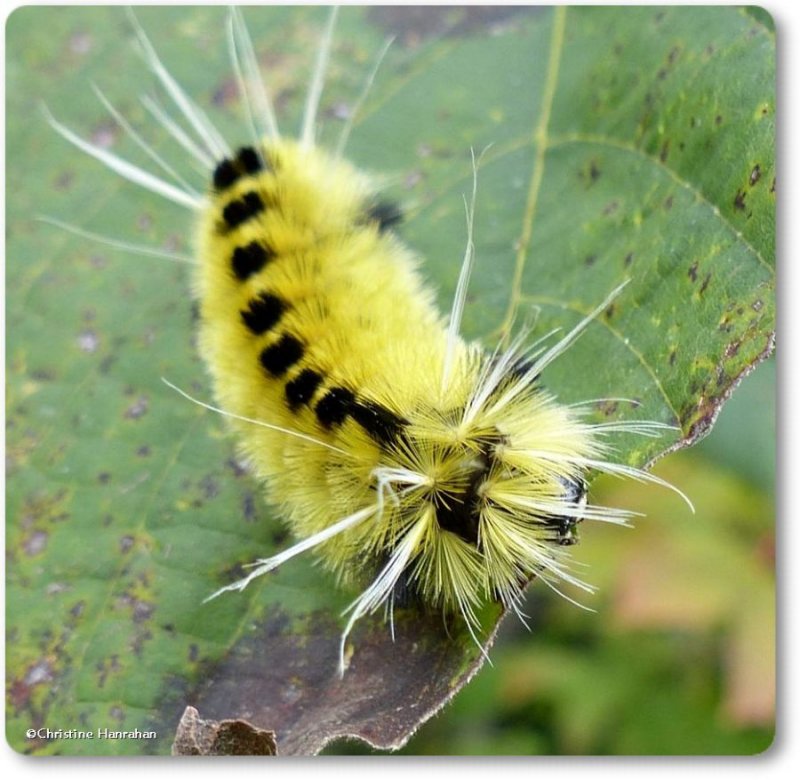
{"type": "Point", "coordinates": [420, 468]}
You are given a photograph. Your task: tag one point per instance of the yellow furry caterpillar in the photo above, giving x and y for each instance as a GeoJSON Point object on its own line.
{"type": "Point", "coordinates": [416, 465]}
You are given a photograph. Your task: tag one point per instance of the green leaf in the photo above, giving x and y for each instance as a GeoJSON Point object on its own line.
{"type": "Point", "coordinates": [632, 143]}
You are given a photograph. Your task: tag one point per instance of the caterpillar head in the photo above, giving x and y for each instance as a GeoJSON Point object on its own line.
{"type": "Point", "coordinates": [482, 498]}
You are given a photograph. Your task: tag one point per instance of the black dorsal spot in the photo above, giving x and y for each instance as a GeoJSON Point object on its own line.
{"type": "Point", "coordinates": [334, 407]}
{"type": "Point", "coordinates": [386, 214]}
{"type": "Point", "coordinates": [281, 356]}
{"type": "Point", "coordinates": [302, 388]}
{"type": "Point", "coordinates": [250, 259]}
{"type": "Point", "coordinates": [379, 422]}
{"type": "Point", "coordinates": [225, 175]}
{"type": "Point", "coordinates": [239, 211]}
{"type": "Point", "coordinates": [264, 312]}
{"type": "Point", "coordinates": [250, 160]}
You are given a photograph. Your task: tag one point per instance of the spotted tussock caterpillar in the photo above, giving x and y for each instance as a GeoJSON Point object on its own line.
{"type": "Point", "coordinates": [415, 465]}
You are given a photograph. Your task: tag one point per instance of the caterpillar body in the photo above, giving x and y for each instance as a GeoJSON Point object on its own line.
{"type": "Point", "coordinates": [416, 465]}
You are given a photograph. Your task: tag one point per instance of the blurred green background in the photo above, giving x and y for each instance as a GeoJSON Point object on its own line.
{"type": "Point", "coordinates": [679, 657]}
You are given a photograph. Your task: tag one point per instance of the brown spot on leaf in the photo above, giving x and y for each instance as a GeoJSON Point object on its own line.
{"type": "Point", "coordinates": [35, 543]}
{"type": "Point", "coordinates": [755, 174]}
{"type": "Point", "coordinates": [40, 672]}
{"type": "Point", "coordinates": [732, 349]}
{"type": "Point", "coordinates": [117, 713]}
{"type": "Point", "coordinates": [249, 507]}
{"type": "Point", "coordinates": [672, 356]}
{"type": "Point", "coordinates": [757, 304]}
{"type": "Point", "coordinates": [668, 202]}
{"type": "Point", "coordinates": [607, 408]}
{"type": "Point", "coordinates": [54, 588]}
{"type": "Point", "coordinates": [106, 667]}
{"type": "Point", "coordinates": [137, 409]}
{"type": "Point", "coordinates": [88, 341]}
{"type": "Point", "coordinates": [226, 94]}
{"type": "Point", "coordinates": [125, 543]}
{"type": "Point", "coordinates": [19, 695]}
{"type": "Point", "coordinates": [64, 180]}
{"type": "Point", "coordinates": [592, 173]}
{"type": "Point", "coordinates": [590, 260]}
{"type": "Point", "coordinates": [279, 534]}
{"type": "Point", "coordinates": [106, 363]}
{"type": "Point", "coordinates": [738, 201]}
{"type": "Point", "coordinates": [628, 259]}
{"type": "Point", "coordinates": [238, 467]}
{"type": "Point", "coordinates": [718, 120]}
{"type": "Point", "coordinates": [704, 285]}
{"type": "Point", "coordinates": [209, 486]}
{"type": "Point", "coordinates": [412, 179]}
{"type": "Point", "coordinates": [80, 43]}
{"type": "Point", "coordinates": [610, 208]}
{"type": "Point", "coordinates": [664, 153]}
{"type": "Point", "coordinates": [692, 272]}
{"type": "Point", "coordinates": [142, 610]}
{"type": "Point", "coordinates": [105, 134]}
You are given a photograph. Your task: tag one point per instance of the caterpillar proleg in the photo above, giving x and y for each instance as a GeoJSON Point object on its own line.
{"type": "Point", "coordinates": [414, 464]}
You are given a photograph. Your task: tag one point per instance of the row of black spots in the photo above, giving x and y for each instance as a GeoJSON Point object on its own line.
{"type": "Point", "coordinates": [338, 403]}
{"type": "Point", "coordinates": [250, 259]}
{"type": "Point", "coordinates": [246, 163]}
{"type": "Point", "coordinates": [264, 312]}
